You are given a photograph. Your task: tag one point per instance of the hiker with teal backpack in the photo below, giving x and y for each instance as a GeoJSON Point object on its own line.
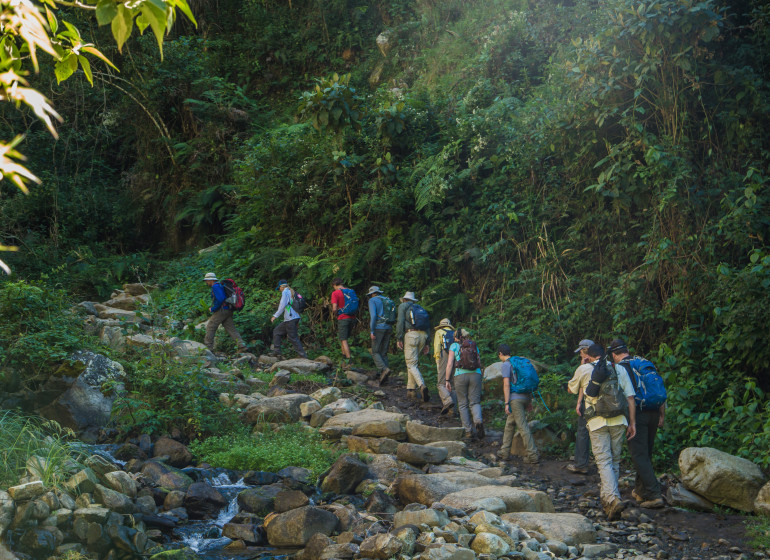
{"type": "Point", "coordinates": [291, 305]}
{"type": "Point", "coordinates": [344, 307]}
{"type": "Point", "coordinates": [520, 381]}
{"type": "Point", "coordinates": [382, 315]}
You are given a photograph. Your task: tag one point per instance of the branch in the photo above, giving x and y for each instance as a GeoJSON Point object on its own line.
{"type": "Point", "coordinates": [75, 4]}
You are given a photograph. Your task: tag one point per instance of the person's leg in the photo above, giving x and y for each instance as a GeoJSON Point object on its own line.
{"type": "Point", "coordinates": [379, 350]}
{"type": "Point", "coordinates": [212, 325]}
{"type": "Point", "coordinates": [617, 435]}
{"type": "Point", "coordinates": [519, 413]}
{"type": "Point", "coordinates": [601, 444]}
{"type": "Point", "coordinates": [582, 443]}
{"type": "Point", "coordinates": [474, 396]}
{"type": "Point", "coordinates": [232, 330]}
{"type": "Point", "coordinates": [461, 388]}
{"type": "Point", "coordinates": [291, 333]}
{"type": "Point", "coordinates": [443, 393]}
{"type": "Point", "coordinates": [344, 326]}
{"type": "Point", "coordinates": [413, 343]}
{"type": "Point", "coordinates": [278, 333]}
{"type": "Point", "coordinates": [508, 432]}
{"type": "Point", "coordinates": [647, 486]}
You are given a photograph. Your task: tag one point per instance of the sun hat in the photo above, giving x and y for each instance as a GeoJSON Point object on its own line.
{"type": "Point", "coordinates": [463, 333]}
{"type": "Point", "coordinates": [445, 323]}
{"type": "Point", "coordinates": [210, 276]}
{"type": "Point", "coordinates": [281, 283]}
{"type": "Point", "coordinates": [584, 345]}
{"type": "Point", "coordinates": [410, 295]}
{"type": "Point", "coordinates": [374, 290]}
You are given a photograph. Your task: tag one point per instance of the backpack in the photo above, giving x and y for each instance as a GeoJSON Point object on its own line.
{"type": "Point", "coordinates": [648, 384]}
{"type": "Point", "coordinates": [610, 399]}
{"type": "Point", "coordinates": [527, 380]}
{"type": "Point", "coordinates": [419, 318]}
{"type": "Point", "coordinates": [388, 311]}
{"type": "Point", "coordinates": [469, 355]}
{"type": "Point", "coordinates": [233, 294]}
{"type": "Point", "coordinates": [448, 340]}
{"type": "Point", "coordinates": [298, 303]}
{"type": "Point", "coordinates": [351, 302]}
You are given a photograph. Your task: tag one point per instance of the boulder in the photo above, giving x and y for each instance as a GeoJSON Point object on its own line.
{"type": "Point", "coordinates": [165, 476]}
{"type": "Point", "coordinates": [285, 408]}
{"type": "Point", "coordinates": [246, 532]}
{"type": "Point", "coordinates": [306, 409]}
{"type": "Point", "coordinates": [115, 501]}
{"type": "Point", "coordinates": [113, 337]}
{"type": "Point", "coordinates": [177, 453]}
{"type": "Point", "coordinates": [327, 395]}
{"type": "Point", "coordinates": [81, 482]}
{"type": "Point", "coordinates": [191, 349]}
{"type": "Point", "coordinates": [489, 543]}
{"type": "Point", "coordinates": [107, 312]}
{"type": "Point", "coordinates": [381, 546]}
{"type": "Point", "coordinates": [203, 501]}
{"type": "Point", "coordinates": [423, 434]}
{"type": "Point", "coordinates": [259, 500]}
{"type": "Point", "coordinates": [515, 499]}
{"type": "Point", "coordinates": [680, 496]}
{"type": "Point", "coordinates": [569, 528]}
{"type": "Point", "coordinates": [280, 378]}
{"type": "Point", "coordinates": [448, 552]}
{"type": "Point", "coordinates": [386, 469]}
{"type": "Point", "coordinates": [720, 477]}
{"type": "Point", "coordinates": [762, 503]}
{"type": "Point", "coordinates": [287, 500]}
{"type": "Point", "coordinates": [420, 454]}
{"type": "Point", "coordinates": [139, 289]}
{"type": "Point", "coordinates": [428, 488]}
{"type": "Point", "coordinates": [346, 473]}
{"type": "Point", "coordinates": [299, 365]}
{"type": "Point", "coordinates": [295, 527]}
{"type": "Point", "coordinates": [143, 340]}
{"type": "Point", "coordinates": [28, 491]}
{"type": "Point", "coordinates": [454, 448]}
{"type": "Point", "coordinates": [371, 445]}
{"type": "Point", "coordinates": [428, 516]}
{"type": "Point", "coordinates": [341, 406]}
{"type": "Point", "coordinates": [7, 512]}
{"type": "Point", "coordinates": [121, 482]}
{"type": "Point", "coordinates": [541, 433]}
{"type": "Point", "coordinates": [371, 422]}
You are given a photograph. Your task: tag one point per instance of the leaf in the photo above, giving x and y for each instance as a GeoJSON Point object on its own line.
{"type": "Point", "coordinates": [63, 69]}
{"type": "Point", "coordinates": [141, 23]}
{"type": "Point", "coordinates": [97, 53]}
{"type": "Point", "coordinates": [185, 7]}
{"type": "Point", "coordinates": [86, 66]}
{"type": "Point", "coordinates": [52, 22]}
{"type": "Point", "coordinates": [122, 26]}
{"type": "Point", "coordinates": [106, 11]}
{"type": "Point", "coordinates": [157, 19]}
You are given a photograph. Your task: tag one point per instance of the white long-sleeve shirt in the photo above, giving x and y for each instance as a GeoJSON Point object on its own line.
{"type": "Point", "coordinates": [283, 307]}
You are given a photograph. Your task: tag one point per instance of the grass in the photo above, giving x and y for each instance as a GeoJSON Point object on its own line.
{"type": "Point", "coordinates": [292, 445]}
{"type": "Point", "coordinates": [758, 531]}
{"type": "Point", "coordinates": [22, 438]}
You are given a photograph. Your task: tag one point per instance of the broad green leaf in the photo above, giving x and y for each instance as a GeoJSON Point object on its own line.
{"type": "Point", "coordinates": [122, 26]}
{"type": "Point", "coordinates": [106, 11]}
{"type": "Point", "coordinates": [97, 53]}
{"type": "Point", "coordinates": [141, 23]}
{"type": "Point", "coordinates": [157, 19]}
{"type": "Point", "coordinates": [53, 24]}
{"type": "Point", "coordinates": [185, 7]}
{"type": "Point", "coordinates": [86, 66]}
{"type": "Point", "coordinates": [65, 68]}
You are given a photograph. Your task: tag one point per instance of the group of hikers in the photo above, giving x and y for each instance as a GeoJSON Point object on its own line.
{"type": "Point", "coordinates": [618, 394]}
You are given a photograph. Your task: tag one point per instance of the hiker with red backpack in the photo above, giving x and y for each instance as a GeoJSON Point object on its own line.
{"type": "Point", "coordinates": [291, 305]}
{"type": "Point", "coordinates": [464, 369]}
{"type": "Point", "coordinates": [344, 307]}
{"type": "Point", "coordinates": [520, 380]}
{"type": "Point", "coordinates": [222, 308]}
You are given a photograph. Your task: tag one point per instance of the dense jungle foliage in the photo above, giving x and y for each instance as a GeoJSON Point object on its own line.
{"type": "Point", "coordinates": [540, 172]}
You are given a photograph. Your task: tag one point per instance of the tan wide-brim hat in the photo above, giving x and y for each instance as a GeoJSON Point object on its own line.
{"type": "Point", "coordinates": [410, 296]}
{"type": "Point", "coordinates": [445, 323]}
{"type": "Point", "coordinates": [210, 276]}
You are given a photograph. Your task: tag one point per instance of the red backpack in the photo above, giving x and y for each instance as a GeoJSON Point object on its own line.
{"type": "Point", "coordinates": [233, 294]}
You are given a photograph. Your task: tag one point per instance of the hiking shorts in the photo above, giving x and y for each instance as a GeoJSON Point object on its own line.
{"type": "Point", "coordinates": [344, 328]}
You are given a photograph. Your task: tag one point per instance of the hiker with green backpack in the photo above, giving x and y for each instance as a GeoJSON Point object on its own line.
{"type": "Point", "coordinates": [412, 327]}
{"type": "Point", "coordinates": [382, 315]}
{"type": "Point", "coordinates": [520, 380]}
{"type": "Point", "coordinates": [291, 305]}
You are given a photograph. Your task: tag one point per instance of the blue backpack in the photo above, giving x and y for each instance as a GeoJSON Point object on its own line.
{"type": "Point", "coordinates": [419, 318]}
{"type": "Point", "coordinates": [447, 340]}
{"type": "Point", "coordinates": [526, 374]}
{"type": "Point", "coordinates": [649, 386]}
{"type": "Point", "coordinates": [351, 302]}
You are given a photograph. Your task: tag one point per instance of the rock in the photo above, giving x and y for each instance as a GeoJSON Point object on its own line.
{"type": "Point", "coordinates": [285, 408]}
{"type": "Point", "coordinates": [176, 554]}
{"type": "Point", "coordinates": [420, 454]}
{"type": "Point", "coordinates": [38, 541]}
{"type": "Point", "coordinates": [428, 488]}
{"type": "Point", "coordinates": [428, 516]}
{"type": "Point", "coordinates": [320, 417]}
{"type": "Point", "coordinates": [139, 289]}
{"type": "Point", "coordinates": [113, 337]}
{"type": "Point", "coordinates": [371, 423]}
{"type": "Point", "coordinates": [113, 500]}
{"type": "Point", "coordinates": [720, 477]}
{"type": "Point", "coordinates": [107, 312]}
{"type": "Point", "coordinates": [569, 528]}
{"type": "Point", "coordinates": [380, 503]}
{"type": "Point", "coordinates": [339, 552]}
{"type": "Point", "coordinates": [488, 543]}
{"type": "Point", "coordinates": [28, 491]}
{"type": "Point", "coordinates": [178, 454]}
{"type": "Point", "coordinates": [259, 500]}
{"type": "Point", "coordinates": [203, 501]}
{"type": "Point", "coordinates": [598, 550]}
{"type": "Point", "coordinates": [515, 499]}
{"type": "Point", "coordinates": [246, 532]}
{"type": "Point", "coordinates": [346, 473]}
{"type": "Point", "coordinates": [308, 408]}
{"type": "Point", "coordinates": [341, 406]}
{"type": "Point", "coordinates": [143, 341]}
{"type": "Point", "coordinates": [680, 496]}
{"type": "Point", "coordinates": [89, 307]}
{"type": "Point", "coordinates": [300, 474]}
{"type": "Point", "coordinates": [166, 476]}
{"type": "Point", "coordinates": [121, 482]}
{"type": "Point", "coordinates": [762, 503]}
{"type": "Point", "coordinates": [299, 365]}
{"type": "Point", "coordinates": [287, 500]}
{"type": "Point", "coordinates": [100, 465]}
{"type": "Point", "coordinates": [191, 349]}
{"type": "Point", "coordinates": [448, 552]}
{"type": "Point", "coordinates": [385, 42]}
{"type": "Point", "coordinates": [381, 546]}
{"type": "Point", "coordinates": [558, 548]}
{"type": "Point", "coordinates": [327, 395]}
{"type": "Point", "coordinates": [260, 478]}
{"type": "Point", "coordinates": [173, 500]}
{"type": "Point", "coordinates": [295, 527]}
{"type": "Point", "coordinates": [281, 378]}
{"type": "Point", "coordinates": [7, 511]}
{"type": "Point", "coordinates": [83, 406]}
{"type": "Point", "coordinates": [356, 377]}
{"type": "Point", "coordinates": [129, 451]}
{"type": "Point", "coordinates": [454, 448]}
{"type": "Point", "coordinates": [541, 433]}
{"type": "Point", "coordinates": [423, 434]}
{"type": "Point", "coordinates": [92, 514]}
{"type": "Point", "coordinates": [81, 482]}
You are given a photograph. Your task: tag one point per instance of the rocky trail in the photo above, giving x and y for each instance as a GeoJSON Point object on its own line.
{"type": "Point", "coordinates": [406, 484]}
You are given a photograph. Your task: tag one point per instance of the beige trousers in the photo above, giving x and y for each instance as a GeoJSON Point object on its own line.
{"type": "Point", "coordinates": [414, 342]}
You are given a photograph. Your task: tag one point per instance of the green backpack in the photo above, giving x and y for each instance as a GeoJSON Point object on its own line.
{"type": "Point", "coordinates": [388, 311]}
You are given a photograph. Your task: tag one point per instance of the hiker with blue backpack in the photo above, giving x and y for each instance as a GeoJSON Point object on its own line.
{"type": "Point", "coordinates": [412, 327]}
{"type": "Point", "coordinates": [291, 305]}
{"type": "Point", "coordinates": [464, 369]}
{"type": "Point", "coordinates": [382, 315]}
{"type": "Point", "coordinates": [520, 380]}
{"type": "Point", "coordinates": [650, 415]}
{"type": "Point", "coordinates": [443, 338]}
{"type": "Point", "coordinates": [223, 303]}
{"type": "Point", "coordinates": [344, 307]}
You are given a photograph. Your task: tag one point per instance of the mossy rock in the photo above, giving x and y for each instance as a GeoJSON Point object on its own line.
{"type": "Point", "coordinates": [70, 369]}
{"type": "Point", "coordinates": [178, 554]}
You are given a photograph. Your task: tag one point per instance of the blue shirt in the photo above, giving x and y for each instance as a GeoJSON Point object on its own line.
{"type": "Point", "coordinates": [376, 313]}
{"type": "Point", "coordinates": [459, 371]}
{"type": "Point", "coordinates": [218, 296]}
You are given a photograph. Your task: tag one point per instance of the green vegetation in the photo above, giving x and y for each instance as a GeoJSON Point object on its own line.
{"type": "Point", "coordinates": [267, 449]}
{"type": "Point", "coordinates": [758, 530]}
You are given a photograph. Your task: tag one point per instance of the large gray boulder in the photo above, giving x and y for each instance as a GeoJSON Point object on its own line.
{"type": "Point", "coordinates": [107, 312]}
{"type": "Point", "coordinates": [259, 500]}
{"type": "Point", "coordinates": [428, 488]}
{"type": "Point", "coordinates": [191, 349]}
{"type": "Point", "coordinates": [371, 422]}
{"type": "Point", "coordinates": [417, 432]}
{"type": "Point", "coordinates": [569, 528]}
{"type": "Point", "coordinates": [515, 499]}
{"type": "Point", "coordinates": [679, 495]}
{"type": "Point", "coordinates": [300, 365]}
{"type": "Point", "coordinates": [762, 503]}
{"type": "Point", "coordinates": [416, 454]}
{"type": "Point", "coordinates": [165, 476]}
{"type": "Point", "coordinates": [346, 473]}
{"type": "Point", "coordinates": [7, 511]}
{"type": "Point", "coordinates": [203, 501]}
{"type": "Point", "coordinates": [295, 527]}
{"type": "Point", "coordinates": [285, 408]}
{"type": "Point", "coordinates": [720, 477]}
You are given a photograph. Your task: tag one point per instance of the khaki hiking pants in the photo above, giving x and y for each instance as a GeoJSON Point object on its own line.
{"type": "Point", "coordinates": [222, 317]}
{"type": "Point", "coordinates": [414, 341]}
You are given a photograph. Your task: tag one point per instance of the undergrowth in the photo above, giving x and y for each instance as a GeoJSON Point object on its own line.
{"type": "Point", "coordinates": [758, 530]}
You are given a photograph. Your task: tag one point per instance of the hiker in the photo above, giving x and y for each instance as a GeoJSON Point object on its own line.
{"type": "Point", "coordinates": [221, 314]}
{"type": "Point", "coordinates": [344, 306]}
{"type": "Point", "coordinates": [412, 328]}
{"type": "Point", "coordinates": [648, 419]}
{"type": "Point", "coordinates": [442, 340]}
{"type": "Point", "coordinates": [288, 327]}
{"type": "Point", "coordinates": [381, 318]}
{"type": "Point", "coordinates": [465, 362]}
{"type": "Point", "coordinates": [582, 440]}
{"type": "Point", "coordinates": [606, 421]}
{"type": "Point", "coordinates": [518, 384]}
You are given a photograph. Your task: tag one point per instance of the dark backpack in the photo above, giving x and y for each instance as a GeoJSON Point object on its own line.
{"type": "Point", "coordinates": [648, 384]}
{"type": "Point", "coordinates": [351, 303]}
{"type": "Point", "coordinates": [447, 340]}
{"type": "Point", "coordinates": [233, 294]}
{"type": "Point", "coordinates": [469, 355]}
{"type": "Point", "coordinates": [298, 303]}
{"type": "Point", "coordinates": [419, 318]}
{"type": "Point", "coordinates": [527, 380]}
{"type": "Point", "coordinates": [610, 399]}
{"type": "Point", "coordinates": [388, 311]}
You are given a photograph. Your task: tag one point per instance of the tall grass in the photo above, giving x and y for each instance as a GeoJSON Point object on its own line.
{"type": "Point", "coordinates": [43, 444]}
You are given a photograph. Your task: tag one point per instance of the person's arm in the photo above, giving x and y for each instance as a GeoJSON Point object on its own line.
{"type": "Point", "coordinates": [437, 344]}
{"type": "Point", "coordinates": [573, 385]}
{"type": "Point", "coordinates": [334, 299]}
{"type": "Point", "coordinates": [450, 363]}
{"type": "Point", "coordinates": [218, 295]}
{"type": "Point", "coordinates": [631, 430]}
{"type": "Point", "coordinates": [285, 297]}
{"type": "Point", "coordinates": [662, 418]}
{"type": "Point", "coordinates": [579, 402]}
{"type": "Point", "coordinates": [507, 395]}
{"type": "Point", "coordinates": [372, 316]}
{"type": "Point", "coordinates": [401, 322]}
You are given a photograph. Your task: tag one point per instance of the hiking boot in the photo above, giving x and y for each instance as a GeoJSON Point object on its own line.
{"type": "Point", "coordinates": [384, 376]}
{"type": "Point", "coordinates": [614, 510]}
{"type": "Point", "coordinates": [411, 394]}
{"type": "Point", "coordinates": [447, 408]}
{"type": "Point", "coordinates": [534, 460]}
{"type": "Point", "coordinates": [425, 394]}
{"type": "Point", "coordinates": [657, 503]}
{"type": "Point", "coordinates": [479, 430]}
{"type": "Point", "coordinates": [636, 496]}
{"type": "Point", "coordinates": [502, 456]}
{"type": "Point", "coordinates": [575, 469]}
